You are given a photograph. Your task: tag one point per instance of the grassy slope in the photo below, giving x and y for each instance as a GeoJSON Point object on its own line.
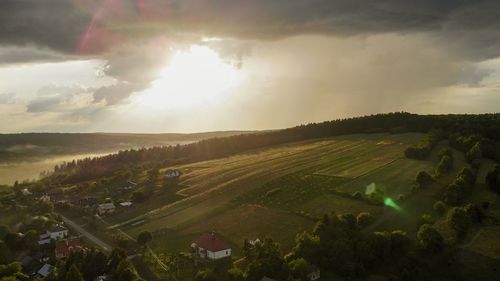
{"type": "Point", "coordinates": [229, 195]}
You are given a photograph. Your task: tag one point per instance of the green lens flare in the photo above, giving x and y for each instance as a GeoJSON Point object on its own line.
{"type": "Point", "coordinates": [389, 202]}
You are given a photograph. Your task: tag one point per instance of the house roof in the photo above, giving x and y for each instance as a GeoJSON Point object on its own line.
{"type": "Point", "coordinates": [211, 242]}
{"type": "Point", "coordinates": [57, 228]}
{"type": "Point", "coordinates": [107, 206]}
{"type": "Point", "coordinates": [44, 271]}
{"type": "Point", "coordinates": [64, 248]}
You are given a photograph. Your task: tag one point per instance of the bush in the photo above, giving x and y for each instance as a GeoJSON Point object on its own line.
{"type": "Point", "coordinates": [423, 179]}
{"type": "Point", "coordinates": [493, 178]}
{"type": "Point", "coordinates": [425, 219]}
{"type": "Point", "coordinates": [474, 153]}
{"type": "Point", "coordinates": [445, 165]}
{"type": "Point", "coordinates": [430, 239]}
{"type": "Point", "coordinates": [459, 221]}
{"type": "Point", "coordinates": [364, 219]}
{"type": "Point", "coordinates": [439, 208]}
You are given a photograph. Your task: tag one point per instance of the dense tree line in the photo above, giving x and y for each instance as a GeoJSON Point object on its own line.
{"type": "Point", "coordinates": [422, 149]}
{"type": "Point", "coordinates": [340, 244]}
{"type": "Point", "coordinates": [80, 266]}
{"type": "Point", "coordinates": [487, 125]}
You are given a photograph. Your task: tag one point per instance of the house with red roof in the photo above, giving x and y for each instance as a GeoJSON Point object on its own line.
{"type": "Point", "coordinates": [211, 247]}
{"type": "Point", "coordinates": [66, 247]}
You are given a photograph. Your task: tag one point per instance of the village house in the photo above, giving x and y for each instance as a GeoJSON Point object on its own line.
{"type": "Point", "coordinates": [106, 208]}
{"type": "Point", "coordinates": [314, 273]}
{"type": "Point", "coordinates": [44, 271]}
{"type": "Point", "coordinates": [126, 204]}
{"type": "Point", "coordinates": [66, 247]}
{"type": "Point", "coordinates": [55, 232]}
{"type": "Point", "coordinates": [26, 192]}
{"type": "Point", "coordinates": [211, 247]}
{"type": "Point", "coordinates": [44, 198]}
{"type": "Point", "coordinates": [171, 174]}
{"type": "Point", "coordinates": [254, 242]}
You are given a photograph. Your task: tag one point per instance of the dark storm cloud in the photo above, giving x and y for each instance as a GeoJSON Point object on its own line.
{"type": "Point", "coordinates": [470, 26]}
{"type": "Point", "coordinates": [56, 24]}
{"type": "Point", "coordinates": [11, 55]}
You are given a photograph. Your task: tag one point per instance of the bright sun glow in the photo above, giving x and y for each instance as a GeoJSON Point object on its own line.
{"type": "Point", "coordinates": [193, 77]}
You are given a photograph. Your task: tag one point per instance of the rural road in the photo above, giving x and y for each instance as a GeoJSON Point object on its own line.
{"type": "Point", "coordinates": [85, 233]}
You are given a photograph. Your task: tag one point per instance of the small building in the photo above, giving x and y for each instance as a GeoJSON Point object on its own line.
{"type": "Point", "coordinates": [44, 198]}
{"type": "Point", "coordinates": [106, 208]}
{"type": "Point", "coordinates": [126, 204]}
{"type": "Point", "coordinates": [26, 192]}
{"type": "Point", "coordinates": [172, 174]}
{"type": "Point", "coordinates": [104, 277]}
{"type": "Point", "coordinates": [314, 273]}
{"type": "Point", "coordinates": [265, 278]}
{"type": "Point", "coordinates": [57, 232]}
{"type": "Point", "coordinates": [211, 247]}
{"type": "Point", "coordinates": [44, 271]}
{"type": "Point", "coordinates": [254, 242]}
{"type": "Point", "coordinates": [66, 247]}
{"type": "Point", "coordinates": [44, 239]}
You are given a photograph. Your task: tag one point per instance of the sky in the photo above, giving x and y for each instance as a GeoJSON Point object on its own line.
{"type": "Point", "coordinates": [206, 65]}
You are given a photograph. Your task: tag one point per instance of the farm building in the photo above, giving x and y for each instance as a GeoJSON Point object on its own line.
{"type": "Point", "coordinates": [55, 232]}
{"type": "Point", "coordinates": [126, 204]}
{"type": "Point", "coordinates": [44, 271]}
{"type": "Point", "coordinates": [66, 247]}
{"type": "Point", "coordinates": [314, 273]}
{"type": "Point", "coordinates": [172, 174]}
{"type": "Point", "coordinates": [106, 208]}
{"type": "Point", "coordinates": [254, 242]}
{"type": "Point", "coordinates": [211, 247]}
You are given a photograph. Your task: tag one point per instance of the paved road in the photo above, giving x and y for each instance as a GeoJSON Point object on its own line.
{"type": "Point", "coordinates": [105, 246]}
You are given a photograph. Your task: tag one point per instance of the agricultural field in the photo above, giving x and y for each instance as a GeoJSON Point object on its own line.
{"type": "Point", "coordinates": [279, 191]}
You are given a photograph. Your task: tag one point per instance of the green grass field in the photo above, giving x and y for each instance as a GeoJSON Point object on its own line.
{"type": "Point", "coordinates": [278, 191]}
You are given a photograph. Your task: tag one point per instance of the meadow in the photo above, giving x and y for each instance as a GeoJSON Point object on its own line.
{"type": "Point", "coordinates": [279, 191]}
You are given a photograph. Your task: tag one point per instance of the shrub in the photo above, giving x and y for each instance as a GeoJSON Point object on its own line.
{"type": "Point", "coordinates": [423, 179]}
{"type": "Point", "coordinates": [445, 165]}
{"type": "Point", "coordinates": [364, 219]}
{"type": "Point", "coordinates": [458, 221]}
{"type": "Point", "coordinates": [439, 208]}
{"type": "Point", "coordinates": [430, 239]}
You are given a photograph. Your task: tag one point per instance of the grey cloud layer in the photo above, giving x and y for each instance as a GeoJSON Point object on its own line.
{"type": "Point", "coordinates": [471, 26]}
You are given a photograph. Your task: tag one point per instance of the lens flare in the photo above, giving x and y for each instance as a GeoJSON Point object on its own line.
{"type": "Point", "coordinates": [390, 203]}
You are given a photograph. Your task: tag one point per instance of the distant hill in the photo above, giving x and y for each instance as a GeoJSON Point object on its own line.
{"type": "Point", "coordinates": [24, 146]}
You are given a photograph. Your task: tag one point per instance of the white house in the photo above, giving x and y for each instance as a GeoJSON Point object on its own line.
{"type": "Point", "coordinates": [106, 208]}
{"type": "Point", "coordinates": [126, 204]}
{"type": "Point", "coordinates": [314, 273]}
{"type": "Point", "coordinates": [57, 232]}
{"type": "Point", "coordinates": [26, 192]}
{"type": "Point", "coordinates": [170, 174]}
{"type": "Point", "coordinates": [254, 242]}
{"type": "Point", "coordinates": [211, 247]}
